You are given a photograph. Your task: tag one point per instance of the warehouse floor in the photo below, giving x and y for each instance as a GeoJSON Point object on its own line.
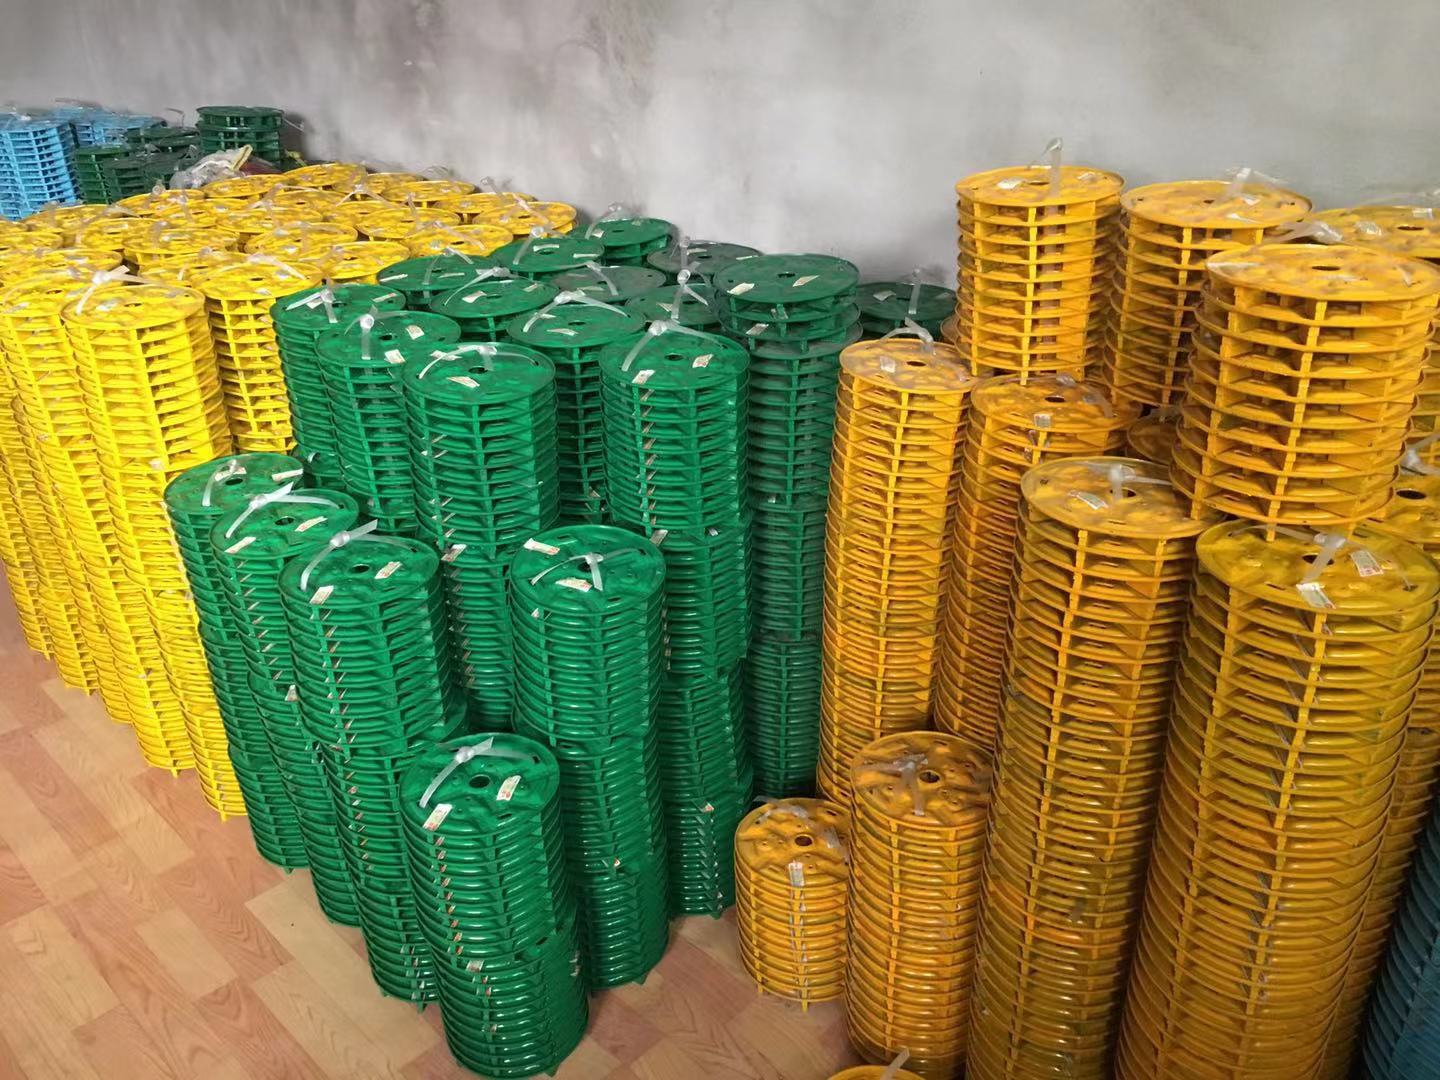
{"type": "Point", "coordinates": [142, 937]}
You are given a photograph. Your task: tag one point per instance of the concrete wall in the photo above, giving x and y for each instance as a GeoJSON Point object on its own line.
{"type": "Point", "coordinates": [796, 125]}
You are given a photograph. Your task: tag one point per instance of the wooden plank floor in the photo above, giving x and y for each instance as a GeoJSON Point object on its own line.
{"type": "Point", "coordinates": [141, 937]}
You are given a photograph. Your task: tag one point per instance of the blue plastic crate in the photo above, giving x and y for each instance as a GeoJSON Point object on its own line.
{"type": "Point", "coordinates": [36, 164]}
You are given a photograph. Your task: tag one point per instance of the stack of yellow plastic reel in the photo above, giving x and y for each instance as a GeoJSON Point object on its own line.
{"type": "Point", "coordinates": [40, 360]}
{"type": "Point", "coordinates": [257, 220]}
{"type": "Point", "coordinates": [1105, 555]}
{"type": "Point", "coordinates": [1298, 670]}
{"type": "Point", "coordinates": [386, 222]}
{"type": "Point", "coordinates": [899, 419]}
{"type": "Point", "coordinates": [1152, 437]}
{"type": "Point", "coordinates": [165, 241]}
{"type": "Point", "coordinates": [1412, 231]}
{"type": "Point", "coordinates": [17, 265]}
{"type": "Point", "coordinates": [1167, 232]}
{"type": "Point", "coordinates": [425, 193]}
{"type": "Point", "coordinates": [474, 206]}
{"type": "Point", "coordinates": [309, 241]}
{"type": "Point", "coordinates": [1036, 246]}
{"type": "Point", "coordinates": [341, 175]}
{"type": "Point", "coordinates": [1305, 366]}
{"type": "Point", "coordinates": [190, 268]}
{"type": "Point", "coordinates": [67, 221]}
{"type": "Point", "coordinates": [238, 299]}
{"type": "Point", "coordinates": [361, 261]}
{"type": "Point", "coordinates": [791, 870]}
{"type": "Point", "coordinates": [522, 217]}
{"type": "Point", "coordinates": [916, 844]}
{"type": "Point", "coordinates": [1414, 517]}
{"type": "Point", "coordinates": [473, 239]}
{"type": "Point", "coordinates": [1013, 427]}
{"type": "Point", "coordinates": [153, 396]}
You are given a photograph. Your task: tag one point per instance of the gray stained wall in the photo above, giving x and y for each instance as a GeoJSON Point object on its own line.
{"type": "Point", "coordinates": [836, 126]}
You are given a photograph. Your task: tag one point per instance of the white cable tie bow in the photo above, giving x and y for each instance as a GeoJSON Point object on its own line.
{"type": "Point", "coordinates": [1054, 150]}
{"type": "Point", "coordinates": [571, 296]}
{"type": "Point", "coordinates": [487, 185]}
{"type": "Point", "coordinates": [910, 328]}
{"type": "Point", "coordinates": [599, 271]}
{"type": "Point", "coordinates": [893, 1069]}
{"type": "Point", "coordinates": [270, 260]}
{"type": "Point", "coordinates": [613, 212]}
{"type": "Point", "coordinates": [110, 277]}
{"type": "Point", "coordinates": [341, 539]}
{"type": "Point", "coordinates": [684, 289]}
{"type": "Point", "coordinates": [916, 278]}
{"type": "Point", "coordinates": [908, 769]}
{"type": "Point", "coordinates": [1308, 230]}
{"type": "Point", "coordinates": [367, 324]}
{"type": "Point", "coordinates": [594, 558]}
{"type": "Point", "coordinates": [1411, 460]}
{"type": "Point", "coordinates": [449, 250]}
{"type": "Point", "coordinates": [1245, 176]}
{"type": "Point", "coordinates": [484, 748]}
{"type": "Point", "coordinates": [481, 348]}
{"type": "Point", "coordinates": [284, 494]}
{"type": "Point", "coordinates": [229, 469]}
{"type": "Point", "coordinates": [656, 329]}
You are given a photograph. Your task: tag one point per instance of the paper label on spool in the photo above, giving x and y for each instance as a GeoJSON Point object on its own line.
{"type": "Point", "coordinates": [1095, 502]}
{"type": "Point", "coordinates": [305, 526]}
{"type": "Point", "coordinates": [575, 583]}
{"type": "Point", "coordinates": [394, 356]}
{"type": "Point", "coordinates": [415, 332]}
{"type": "Point", "coordinates": [1366, 565]}
{"type": "Point", "coordinates": [1041, 420]}
{"type": "Point", "coordinates": [437, 816]}
{"type": "Point", "coordinates": [288, 474]}
{"type": "Point", "coordinates": [1314, 594]}
{"type": "Point", "coordinates": [797, 874]}
{"type": "Point", "coordinates": [386, 570]}
{"type": "Point", "coordinates": [453, 552]}
{"type": "Point", "coordinates": [464, 380]}
{"type": "Point", "coordinates": [642, 377]}
{"type": "Point", "coordinates": [322, 594]}
{"type": "Point", "coordinates": [292, 694]}
{"type": "Point", "coordinates": [240, 545]}
{"type": "Point", "coordinates": [702, 361]}
{"type": "Point", "coordinates": [537, 545]}
{"type": "Point", "coordinates": [658, 536]}
{"type": "Point", "coordinates": [507, 789]}
{"type": "Point", "coordinates": [804, 279]}
{"type": "Point", "coordinates": [742, 288]}
{"type": "Point", "coordinates": [883, 294]}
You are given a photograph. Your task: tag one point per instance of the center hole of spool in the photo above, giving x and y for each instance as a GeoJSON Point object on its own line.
{"type": "Point", "coordinates": [914, 363]}
{"type": "Point", "coordinates": [286, 520]}
{"type": "Point", "coordinates": [481, 781]}
{"type": "Point", "coordinates": [1410, 493]}
{"type": "Point", "coordinates": [1058, 399]}
{"type": "Point", "coordinates": [1308, 559]}
{"type": "Point", "coordinates": [929, 776]}
{"type": "Point", "coordinates": [1037, 183]}
{"type": "Point", "coordinates": [1128, 492]}
{"type": "Point", "coordinates": [786, 274]}
{"type": "Point", "coordinates": [231, 481]}
{"type": "Point", "coordinates": [1410, 228]}
{"type": "Point", "coordinates": [1328, 268]}
{"type": "Point", "coordinates": [674, 356]}
{"type": "Point", "coordinates": [1207, 202]}
{"type": "Point", "coordinates": [586, 566]}
{"type": "Point", "coordinates": [804, 840]}
{"type": "Point", "coordinates": [360, 568]}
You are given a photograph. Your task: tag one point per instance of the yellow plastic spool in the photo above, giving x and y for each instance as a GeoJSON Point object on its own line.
{"type": "Point", "coordinates": [898, 424]}
{"type": "Point", "coordinates": [426, 193]}
{"type": "Point", "coordinates": [255, 221]}
{"type": "Point", "coordinates": [308, 242]}
{"type": "Point", "coordinates": [315, 203]}
{"type": "Point", "coordinates": [523, 217]}
{"type": "Point", "coordinates": [153, 396]}
{"type": "Point", "coordinates": [476, 239]}
{"type": "Point", "coordinates": [341, 175]}
{"type": "Point", "coordinates": [1168, 230]}
{"type": "Point", "coordinates": [1299, 666]}
{"type": "Point", "coordinates": [876, 1072]}
{"type": "Point", "coordinates": [19, 265]}
{"type": "Point", "coordinates": [28, 536]}
{"type": "Point", "coordinates": [1013, 427]}
{"type": "Point", "coordinates": [399, 223]}
{"type": "Point", "coordinates": [1305, 368]}
{"type": "Point", "coordinates": [360, 261]}
{"type": "Point", "coordinates": [250, 187]}
{"type": "Point", "coordinates": [31, 236]}
{"type": "Point", "coordinates": [186, 269]}
{"type": "Point", "coordinates": [163, 242]}
{"type": "Point", "coordinates": [916, 845]}
{"type": "Point", "coordinates": [165, 203]}
{"type": "Point", "coordinates": [1105, 555]}
{"type": "Point", "coordinates": [471, 207]}
{"type": "Point", "coordinates": [238, 299]}
{"type": "Point", "coordinates": [790, 880]}
{"type": "Point", "coordinates": [66, 220]}
{"type": "Point", "coordinates": [1035, 253]}
{"type": "Point", "coordinates": [1152, 437]}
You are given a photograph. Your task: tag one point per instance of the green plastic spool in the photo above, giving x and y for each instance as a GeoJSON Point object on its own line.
{"type": "Point", "coordinates": [361, 364]}
{"type": "Point", "coordinates": [420, 280]}
{"type": "Point", "coordinates": [707, 595]}
{"type": "Point", "coordinates": [707, 778]}
{"type": "Point", "coordinates": [586, 604]}
{"type": "Point", "coordinates": [572, 334]}
{"type": "Point", "coordinates": [195, 501]}
{"type": "Point", "coordinates": [486, 470]}
{"type": "Point", "coordinates": [704, 258]}
{"type": "Point", "coordinates": [494, 899]}
{"type": "Point", "coordinates": [543, 257]}
{"type": "Point", "coordinates": [696, 307]}
{"type": "Point", "coordinates": [782, 711]}
{"type": "Point", "coordinates": [97, 184]}
{"type": "Point", "coordinates": [788, 552]}
{"type": "Point", "coordinates": [300, 320]}
{"type": "Point", "coordinates": [675, 430]}
{"type": "Point", "coordinates": [226, 127]}
{"type": "Point", "coordinates": [301, 765]}
{"type": "Point", "coordinates": [629, 240]}
{"type": "Point", "coordinates": [885, 305]}
{"type": "Point", "coordinates": [374, 677]}
{"type": "Point", "coordinates": [612, 284]}
{"type": "Point", "coordinates": [484, 308]}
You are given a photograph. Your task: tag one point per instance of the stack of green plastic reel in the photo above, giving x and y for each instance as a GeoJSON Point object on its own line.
{"type": "Point", "coordinates": [587, 611]}
{"type": "Point", "coordinates": [195, 501]}
{"type": "Point", "coordinates": [703, 258]}
{"type": "Point", "coordinates": [495, 903]}
{"type": "Point", "coordinates": [373, 673]}
{"type": "Point", "coordinates": [420, 280]}
{"type": "Point", "coordinates": [300, 320]}
{"type": "Point", "coordinates": [93, 177]}
{"type": "Point", "coordinates": [250, 547]}
{"type": "Point", "coordinates": [361, 362]}
{"type": "Point", "coordinates": [612, 284]}
{"type": "Point", "coordinates": [630, 240]}
{"type": "Point", "coordinates": [486, 471]}
{"type": "Point", "coordinates": [542, 257]}
{"type": "Point", "coordinates": [683, 303]}
{"type": "Point", "coordinates": [795, 314]}
{"type": "Point", "coordinates": [226, 127]}
{"type": "Point", "coordinates": [888, 305]}
{"type": "Point", "coordinates": [675, 457]}
{"type": "Point", "coordinates": [572, 330]}
{"type": "Point", "coordinates": [484, 307]}
{"type": "Point", "coordinates": [164, 137]}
